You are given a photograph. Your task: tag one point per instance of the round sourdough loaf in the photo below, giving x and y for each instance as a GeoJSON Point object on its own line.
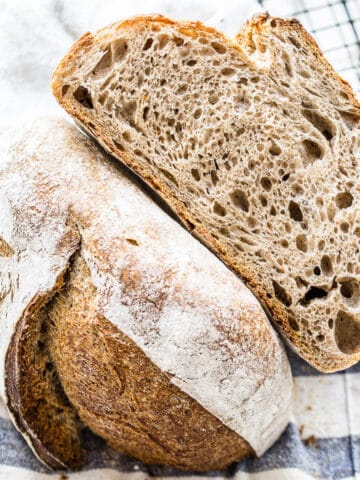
{"type": "Point", "coordinates": [114, 317]}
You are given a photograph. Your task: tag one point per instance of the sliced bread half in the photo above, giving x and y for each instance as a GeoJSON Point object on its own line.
{"type": "Point", "coordinates": [255, 145]}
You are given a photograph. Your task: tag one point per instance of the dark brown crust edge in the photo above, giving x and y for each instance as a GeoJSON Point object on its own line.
{"type": "Point", "coordinates": [273, 307]}
{"type": "Point", "coordinates": [15, 399]}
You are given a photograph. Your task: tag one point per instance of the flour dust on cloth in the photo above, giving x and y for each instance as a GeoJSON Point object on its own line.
{"type": "Point", "coordinates": [323, 439]}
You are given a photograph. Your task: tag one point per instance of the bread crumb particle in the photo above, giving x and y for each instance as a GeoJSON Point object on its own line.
{"type": "Point", "coordinates": [310, 441]}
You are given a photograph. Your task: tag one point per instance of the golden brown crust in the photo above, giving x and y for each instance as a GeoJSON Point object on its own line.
{"type": "Point", "coordinates": [125, 398]}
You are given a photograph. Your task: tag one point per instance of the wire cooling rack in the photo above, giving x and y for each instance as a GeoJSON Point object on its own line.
{"type": "Point", "coordinates": [336, 26]}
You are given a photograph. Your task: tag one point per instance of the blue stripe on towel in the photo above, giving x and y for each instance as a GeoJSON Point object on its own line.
{"type": "Point", "coordinates": [326, 458]}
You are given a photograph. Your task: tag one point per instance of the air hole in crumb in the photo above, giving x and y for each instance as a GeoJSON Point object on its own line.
{"type": "Point", "coordinates": [311, 294]}
{"type": "Point", "coordinates": [214, 177]}
{"type": "Point", "coordinates": [203, 41]}
{"type": "Point", "coordinates": [163, 41]}
{"type": "Point", "coordinates": [82, 95]}
{"type": "Point", "coordinates": [274, 149]}
{"type": "Point", "coordinates": [104, 63]}
{"type": "Point", "coordinates": [178, 41]}
{"type": "Point", "coordinates": [281, 294]}
{"type": "Point", "coordinates": [182, 89]}
{"type": "Point", "coordinates": [266, 183]}
{"type": "Point", "coordinates": [295, 211]}
{"type": "Point", "coordinates": [344, 227]}
{"type": "Point", "coordinates": [263, 200]}
{"type": "Point", "coordinates": [119, 49]}
{"type": "Point", "coordinates": [317, 271]}
{"type": "Point", "coordinates": [304, 74]}
{"type": "Point", "coordinates": [240, 200]}
{"type": "Point", "coordinates": [127, 137]}
{"type": "Point", "coordinates": [213, 99]}
{"type": "Point", "coordinates": [287, 64]}
{"type": "Point", "coordinates": [146, 113]}
{"type": "Point", "coordinates": [320, 123]}
{"type": "Point", "coordinates": [191, 63]}
{"type": "Point", "coordinates": [344, 200]}
{"type": "Point", "coordinates": [126, 111]}
{"type": "Point", "coordinates": [103, 97]}
{"type": "Point", "coordinates": [300, 282]}
{"type": "Point", "coordinates": [350, 290]}
{"type": "Point", "coordinates": [347, 333]}
{"type": "Point", "coordinates": [218, 47]}
{"type": "Point", "coordinates": [331, 323]}
{"type": "Point", "coordinates": [197, 113]}
{"type": "Point", "coordinates": [313, 151]}
{"type": "Point", "coordinates": [195, 173]}
{"type": "Point", "coordinates": [285, 177]}
{"type": "Point", "coordinates": [64, 90]}
{"type": "Point", "coordinates": [49, 366]}
{"type": "Point", "coordinates": [148, 44]}
{"type": "Point", "coordinates": [219, 209]}
{"type": "Point", "coordinates": [227, 72]}
{"type": "Point", "coordinates": [132, 241]}
{"type": "Point", "coordinates": [301, 243]}
{"type": "Point", "coordinates": [272, 211]}
{"type": "Point", "coordinates": [347, 289]}
{"type": "Point", "coordinates": [349, 118]}
{"type": "Point", "coordinates": [297, 189]}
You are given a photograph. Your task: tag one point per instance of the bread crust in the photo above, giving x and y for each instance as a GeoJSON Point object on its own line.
{"type": "Point", "coordinates": [334, 360]}
{"type": "Point", "coordinates": [155, 293]}
{"type": "Point", "coordinates": [136, 409]}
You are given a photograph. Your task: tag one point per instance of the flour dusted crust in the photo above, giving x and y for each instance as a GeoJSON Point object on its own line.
{"type": "Point", "coordinates": [254, 144]}
{"type": "Point", "coordinates": [170, 296]}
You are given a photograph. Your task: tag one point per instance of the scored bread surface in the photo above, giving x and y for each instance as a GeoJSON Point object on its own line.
{"type": "Point", "coordinates": [95, 281]}
{"type": "Point", "coordinates": [254, 144]}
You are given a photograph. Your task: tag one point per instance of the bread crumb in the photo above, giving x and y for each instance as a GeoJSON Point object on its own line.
{"type": "Point", "coordinates": [310, 441]}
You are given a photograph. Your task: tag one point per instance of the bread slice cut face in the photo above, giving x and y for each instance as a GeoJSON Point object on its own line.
{"type": "Point", "coordinates": [254, 143]}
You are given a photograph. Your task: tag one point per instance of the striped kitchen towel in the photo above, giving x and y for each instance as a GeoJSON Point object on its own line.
{"type": "Point", "coordinates": [321, 442]}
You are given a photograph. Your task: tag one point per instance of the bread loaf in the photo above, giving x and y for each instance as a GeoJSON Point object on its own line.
{"type": "Point", "coordinates": [255, 145]}
{"type": "Point", "coordinates": [115, 318]}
